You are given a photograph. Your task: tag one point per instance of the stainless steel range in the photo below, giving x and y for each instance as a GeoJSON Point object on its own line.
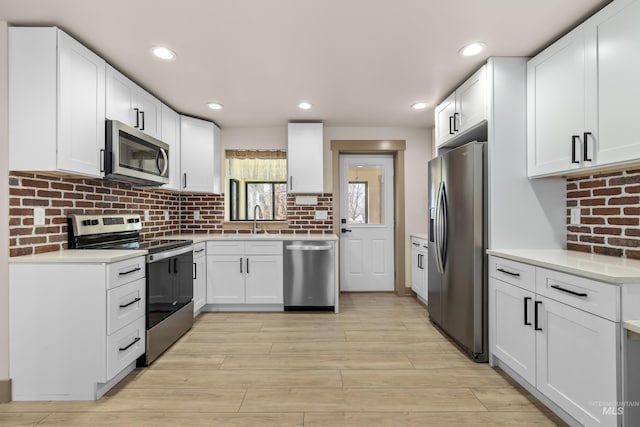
{"type": "Point", "coordinates": [169, 311]}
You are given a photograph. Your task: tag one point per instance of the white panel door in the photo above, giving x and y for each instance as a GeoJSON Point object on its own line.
{"type": "Point", "coordinates": [511, 332]}
{"type": "Point", "coordinates": [471, 100]}
{"type": "Point", "coordinates": [171, 135]}
{"type": "Point", "coordinates": [444, 119]}
{"type": "Point", "coordinates": [618, 35]}
{"type": "Point", "coordinates": [264, 281]}
{"type": "Point", "coordinates": [577, 362]}
{"type": "Point", "coordinates": [225, 281]}
{"type": "Point", "coordinates": [197, 155]}
{"type": "Point", "coordinates": [150, 114]}
{"type": "Point", "coordinates": [367, 223]}
{"type": "Point", "coordinates": [81, 113]}
{"type": "Point", "coordinates": [556, 106]}
{"type": "Point", "coordinates": [120, 98]}
{"type": "Point", "coordinates": [199, 283]}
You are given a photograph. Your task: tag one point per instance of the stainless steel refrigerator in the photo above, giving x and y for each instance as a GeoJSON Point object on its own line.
{"type": "Point", "coordinates": [457, 275]}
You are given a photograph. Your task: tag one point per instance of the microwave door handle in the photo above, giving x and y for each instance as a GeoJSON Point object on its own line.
{"type": "Point", "coordinates": [162, 152]}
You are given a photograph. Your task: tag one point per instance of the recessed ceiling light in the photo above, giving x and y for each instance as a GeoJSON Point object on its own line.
{"type": "Point", "coordinates": [472, 49]}
{"type": "Point", "coordinates": [163, 53]}
{"type": "Point", "coordinates": [304, 106]}
{"type": "Point", "coordinates": [215, 105]}
{"type": "Point", "coordinates": [419, 106]}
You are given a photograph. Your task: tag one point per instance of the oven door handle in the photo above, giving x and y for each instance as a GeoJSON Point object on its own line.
{"type": "Point", "coordinates": [168, 254]}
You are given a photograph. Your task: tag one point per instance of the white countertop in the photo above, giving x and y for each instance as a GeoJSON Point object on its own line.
{"type": "Point", "coordinates": [632, 325]}
{"type": "Point", "coordinates": [71, 256]}
{"type": "Point", "coordinates": [420, 236]}
{"type": "Point", "coordinates": [593, 266]}
{"type": "Point", "coordinates": [197, 238]}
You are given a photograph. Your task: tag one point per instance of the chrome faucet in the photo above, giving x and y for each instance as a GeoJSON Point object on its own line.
{"type": "Point", "coordinates": [255, 217]}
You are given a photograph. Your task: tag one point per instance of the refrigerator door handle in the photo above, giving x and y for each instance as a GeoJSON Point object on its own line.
{"type": "Point", "coordinates": [438, 230]}
{"type": "Point", "coordinates": [445, 226]}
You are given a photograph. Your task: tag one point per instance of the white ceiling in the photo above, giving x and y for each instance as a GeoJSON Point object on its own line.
{"type": "Point", "coordinates": [359, 62]}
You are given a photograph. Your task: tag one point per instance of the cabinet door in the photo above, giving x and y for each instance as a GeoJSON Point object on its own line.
{"type": "Point", "coordinates": [171, 135]}
{"type": "Point", "coordinates": [81, 113]}
{"type": "Point", "coordinates": [199, 283]}
{"type": "Point", "coordinates": [422, 279]}
{"type": "Point", "coordinates": [577, 361]}
{"type": "Point", "coordinates": [471, 99]}
{"type": "Point", "coordinates": [304, 158]}
{"type": "Point", "coordinates": [150, 113]}
{"type": "Point", "coordinates": [121, 98]}
{"type": "Point", "coordinates": [444, 120]}
{"type": "Point", "coordinates": [556, 98]}
{"type": "Point", "coordinates": [225, 284]}
{"type": "Point", "coordinates": [264, 280]}
{"type": "Point", "coordinates": [618, 38]}
{"type": "Point", "coordinates": [415, 268]}
{"type": "Point", "coordinates": [196, 155]}
{"type": "Point", "coordinates": [511, 332]}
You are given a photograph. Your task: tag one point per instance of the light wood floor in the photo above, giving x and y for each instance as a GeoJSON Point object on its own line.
{"type": "Point", "coordinates": [377, 363]}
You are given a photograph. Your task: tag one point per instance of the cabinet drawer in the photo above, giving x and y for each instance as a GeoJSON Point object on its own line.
{"type": "Point", "coordinates": [125, 304]}
{"type": "Point", "coordinates": [591, 296]}
{"type": "Point", "coordinates": [125, 346]}
{"type": "Point", "coordinates": [235, 247]}
{"type": "Point", "coordinates": [125, 271]}
{"type": "Point", "coordinates": [516, 273]}
{"type": "Point", "coordinates": [199, 250]}
{"type": "Point", "coordinates": [419, 244]}
{"type": "Point", "coordinates": [263, 248]}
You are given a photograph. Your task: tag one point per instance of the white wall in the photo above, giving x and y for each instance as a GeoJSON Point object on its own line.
{"type": "Point", "coordinates": [4, 208]}
{"type": "Point", "coordinates": [419, 152]}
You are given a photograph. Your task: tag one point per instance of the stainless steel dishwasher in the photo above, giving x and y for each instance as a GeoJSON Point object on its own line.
{"type": "Point", "coordinates": [309, 281]}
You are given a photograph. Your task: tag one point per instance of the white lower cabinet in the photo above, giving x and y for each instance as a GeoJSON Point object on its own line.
{"type": "Point", "coordinates": [419, 267]}
{"type": "Point", "coordinates": [199, 277]}
{"type": "Point", "coordinates": [243, 272]}
{"type": "Point", "coordinates": [570, 355]}
{"type": "Point", "coordinates": [75, 328]}
{"type": "Point", "coordinates": [577, 356]}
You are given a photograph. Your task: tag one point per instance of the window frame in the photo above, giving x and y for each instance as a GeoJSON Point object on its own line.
{"type": "Point", "coordinates": [273, 199]}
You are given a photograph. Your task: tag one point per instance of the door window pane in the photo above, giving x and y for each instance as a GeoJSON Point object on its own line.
{"type": "Point", "coordinates": [365, 195]}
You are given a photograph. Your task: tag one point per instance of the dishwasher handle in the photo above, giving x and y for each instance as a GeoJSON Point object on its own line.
{"type": "Point", "coordinates": [309, 247]}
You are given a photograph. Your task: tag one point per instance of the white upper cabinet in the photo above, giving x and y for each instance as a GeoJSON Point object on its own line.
{"type": "Point", "coordinates": [618, 47]}
{"type": "Point", "coordinates": [171, 136]}
{"type": "Point", "coordinates": [463, 110]}
{"type": "Point", "coordinates": [305, 158]}
{"type": "Point", "coordinates": [199, 156]}
{"type": "Point", "coordinates": [445, 113]}
{"type": "Point", "coordinates": [581, 93]}
{"type": "Point", "coordinates": [130, 104]}
{"type": "Point", "coordinates": [56, 103]}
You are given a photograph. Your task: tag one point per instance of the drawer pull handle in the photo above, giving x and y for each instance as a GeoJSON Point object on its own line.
{"type": "Point", "coordinates": [130, 344]}
{"type": "Point", "coordinates": [508, 272]}
{"type": "Point", "coordinates": [124, 273]}
{"type": "Point", "coordinates": [132, 302]}
{"type": "Point", "coordinates": [416, 244]}
{"type": "Point", "coordinates": [578, 294]}
{"type": "Point", "coordinates": [526, 311]}
{"type": "Point", "coordinates": [198, 251]}
{"type": "Point", "coordinates": [535, 320]}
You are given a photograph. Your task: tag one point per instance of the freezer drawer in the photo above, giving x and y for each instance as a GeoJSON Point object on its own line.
{"type": "Point", "coordinates": [309, 274]}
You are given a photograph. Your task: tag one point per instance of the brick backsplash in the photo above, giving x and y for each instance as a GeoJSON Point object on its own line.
{"type": "Point", "coordinates": [300, 218]}
{"type": "Point", "coordinates": [609, 214]}
{"type": "Point", "coordinates": [64, 196]}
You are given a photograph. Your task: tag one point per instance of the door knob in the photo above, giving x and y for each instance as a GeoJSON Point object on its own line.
{"type": "Point", "coordinates": [345, 230]}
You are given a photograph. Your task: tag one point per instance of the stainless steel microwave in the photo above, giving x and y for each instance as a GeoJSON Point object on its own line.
{"type": "Point", "coordinates": [134, 157]}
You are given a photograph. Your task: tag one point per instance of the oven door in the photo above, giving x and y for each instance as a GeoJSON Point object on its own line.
{"type": "Point", "coordinates": [134, 156]}
{"type": "Point", "coordinates": [169, 283]}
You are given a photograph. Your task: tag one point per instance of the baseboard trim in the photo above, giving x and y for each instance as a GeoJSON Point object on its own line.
{"type": "Point", "coordinates": [5, 391]}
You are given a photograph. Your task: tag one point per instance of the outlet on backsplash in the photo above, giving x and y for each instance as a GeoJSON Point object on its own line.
{"type": "Point", "coordinates": [166, 215]}
{"type": "Point", "coordinates": [196, 215]}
